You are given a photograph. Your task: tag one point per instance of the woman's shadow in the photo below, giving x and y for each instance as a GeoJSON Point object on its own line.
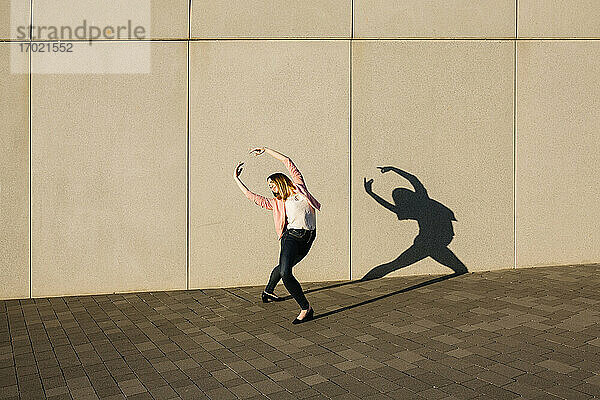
{"type": "Point", "coordinates": [435, 227]}
{"type": "Point", "coordinates": [435, 234]}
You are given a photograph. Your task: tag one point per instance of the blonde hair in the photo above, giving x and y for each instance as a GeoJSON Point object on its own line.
{"type": "Point", "coordinates": [284, 185]}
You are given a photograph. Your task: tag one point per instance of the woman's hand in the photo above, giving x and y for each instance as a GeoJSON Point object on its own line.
{"type": "Point", "coordinates": [258, 150]}
{"type": "Point", "coordinates": [385, 169]}
{"type": "Point", "coordinates": [238, 170]}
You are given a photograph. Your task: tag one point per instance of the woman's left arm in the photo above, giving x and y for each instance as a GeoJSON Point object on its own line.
{"type": "Point", "coordinates": [294, 172]}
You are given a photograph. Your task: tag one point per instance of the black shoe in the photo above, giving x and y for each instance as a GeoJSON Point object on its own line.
{"type": "Point", "coordinates": [309, 315]}
{"type": "Point", "coordinates": [269, 296]}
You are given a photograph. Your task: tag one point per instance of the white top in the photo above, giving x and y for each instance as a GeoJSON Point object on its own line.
{"type": "Point", "coordinates": [300, 214]}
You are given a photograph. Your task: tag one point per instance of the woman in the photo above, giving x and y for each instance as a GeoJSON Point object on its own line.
{"type": "Point", "coordinates": [295, 223]}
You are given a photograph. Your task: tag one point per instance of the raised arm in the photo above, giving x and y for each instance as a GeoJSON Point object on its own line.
{"type": "Point", "coordinates": [276, 154]}
{"type": "Point", "coordinates": [369, 189]}
{"type": "Point", "coordinates": [256, 198]}
{"type": "Point", "coordinates": [289, 164]}
{"type": "Point", "coordinates": [416, 183]}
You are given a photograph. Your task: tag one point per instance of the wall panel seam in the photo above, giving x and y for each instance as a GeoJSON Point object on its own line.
{"type": "Point", "coordinates": [515, 136]}
{"type": "Point", "coordinates": [515, 155]}
{"type": "Point", "coordinates": [189, 19]}
{"type": "Point", "coordinates": [516, 19]}
{"type": "Point", "coordinates": [495, 39]}
{"type": "Point", "coordinates": [30, 152]}
{"type": "Point", "coordinates": [187, 151]}
{"type": "Point", "coordinates": [350, 147]}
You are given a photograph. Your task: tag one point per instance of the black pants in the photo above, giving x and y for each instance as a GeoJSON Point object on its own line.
{"type": "Point", "coordinates": [295, 244]}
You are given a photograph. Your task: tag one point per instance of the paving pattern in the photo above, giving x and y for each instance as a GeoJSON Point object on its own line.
{"type": "Point", "coordinates": [527, 333]}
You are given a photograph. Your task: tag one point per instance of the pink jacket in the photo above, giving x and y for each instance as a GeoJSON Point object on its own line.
{"type": "Point", "coordinates": [278, 205]}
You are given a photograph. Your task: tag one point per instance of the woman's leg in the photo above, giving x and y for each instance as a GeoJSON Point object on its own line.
{"type": "Point", "coordinates": [276, 272]}
{"type": "Point", "coordinates": [273, 280]}
{"type": "Point", "coordinates": [291, 251]}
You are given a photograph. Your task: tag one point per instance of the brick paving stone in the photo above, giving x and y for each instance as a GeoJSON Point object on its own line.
{"type": "Point", "coordinates": [402, 393]}
{"type": "Point", "coordinates": [220, 393]}
{"type": "Point", "coordinates": [234, 382]}
{"type": "Point", "coordinates": [560, 379]}
{"type": "Point", "coordinates": [382, 385]}
{"type": "Point", "coordinates": [244, 391]}
{"type": "Point", "coordinates": [313, 379]}
{"type": "Point", "coordinates": [587, 388]}
{"type": "Point", "coordinates": [505, 370]}
{"type": "Point", "coordinates": [433, 394]}
{"type": "Point", "coordinates": [329, 389]}
{"type": "Point", "coordinates": [267, 387]}
{"type": "Point", "coordinates": [433, 379]}
{"type": "Point", "coordinates": [224, 375]}
{"type": "Point", "coordinates": [108, 391]}
{"type": "Point", "coordinates": [493, 378]}
{"type": "Point", "coordinates": [131, 387]}
{"type": "Point", "coordinates": [556, 366]}
{"type": "Point", "coordinates": [280, 375]}
{"type": "Point", "coordinates": [567, 393]}
{"type": "Point", "coordinates": [293, 385]}
{"type": "Point", "coordinates": [252, 375]}
{"type": "Point", "coordinates": [174, 375]}
{"type": "Point", "coordinates": [141, 396]}
{"type": "Point", "coordinates": [84, 393]}
{"type": "Point", "coordinates": [594, 380]}
{"type": "Point", "coordinates": [283, 395]}
{"type": "Point", "coordinates": [9, 391]}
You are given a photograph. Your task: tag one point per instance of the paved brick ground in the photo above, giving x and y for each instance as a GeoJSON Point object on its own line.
{"type": "Point", "coordinates": [530, 333]}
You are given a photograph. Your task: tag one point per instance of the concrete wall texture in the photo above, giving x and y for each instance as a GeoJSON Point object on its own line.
{"type": "Point", "coordinates": [123, 182]}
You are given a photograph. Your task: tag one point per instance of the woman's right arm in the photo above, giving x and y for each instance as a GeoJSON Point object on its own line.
{"type": "Point", "coordinates": [258, 199]}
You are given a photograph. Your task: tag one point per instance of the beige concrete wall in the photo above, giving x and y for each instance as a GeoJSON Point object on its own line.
{"type": "Point", "coordinates": [131, 183]}
{"type": "Point", "coordinates": [557, 141]}
{"type": "Point", "coordinates": [14, 177]}
{"type": "Point", "coordinates": [167, 19]}
{"type": "Point", "coordinates": [266, 19]}
{"type": "Point", "coordinates": [434, 18]}
{"type": "Point", "coordinates": [559, 19]}
{"type": "Point", "coordinates": [109, 177]}
{"type": "Point", "coordinates": [292, 96]}
{"type": "Point", "coordinates": [558, 147]}
{"type": "Point", "coordinates": [13, 13]}
{"type": "Point", "coordinates": [442, 111]}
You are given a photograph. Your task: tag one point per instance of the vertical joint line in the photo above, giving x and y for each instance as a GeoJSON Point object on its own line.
{"type": "Point", "coordinates": [350, 148]}
{"type": "Point", "coordinates": [30, 152]}
{"type": "Point", "coordinates": [516, 19]}
{"type": "Point", "coordinates": [189, 20]}
{"type": "Point", "coordinates": [187, 162]}
{"type": "Point", "coordinates": [187, 174]}
{"type": "Point", "coordinates": [30, 21]}
{"type": "Point", "coordinates": [515, 136]}
{"type": "Point", "coordinates": [352, 22]}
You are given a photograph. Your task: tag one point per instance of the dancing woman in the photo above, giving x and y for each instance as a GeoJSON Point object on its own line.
{"type": "Point", "coordinates": [295, 223]}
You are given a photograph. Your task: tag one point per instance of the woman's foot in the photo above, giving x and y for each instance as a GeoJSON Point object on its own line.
{"type": "Point", "coordinates": [269, 296]}
{"type": "Point", "coordinates": [305, 315]}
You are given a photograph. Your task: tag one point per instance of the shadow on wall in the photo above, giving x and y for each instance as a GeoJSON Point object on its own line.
{"type": "Point", "coordinates": [435, 234]}
{"type": "Point", "coordinates": [435, 227]}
